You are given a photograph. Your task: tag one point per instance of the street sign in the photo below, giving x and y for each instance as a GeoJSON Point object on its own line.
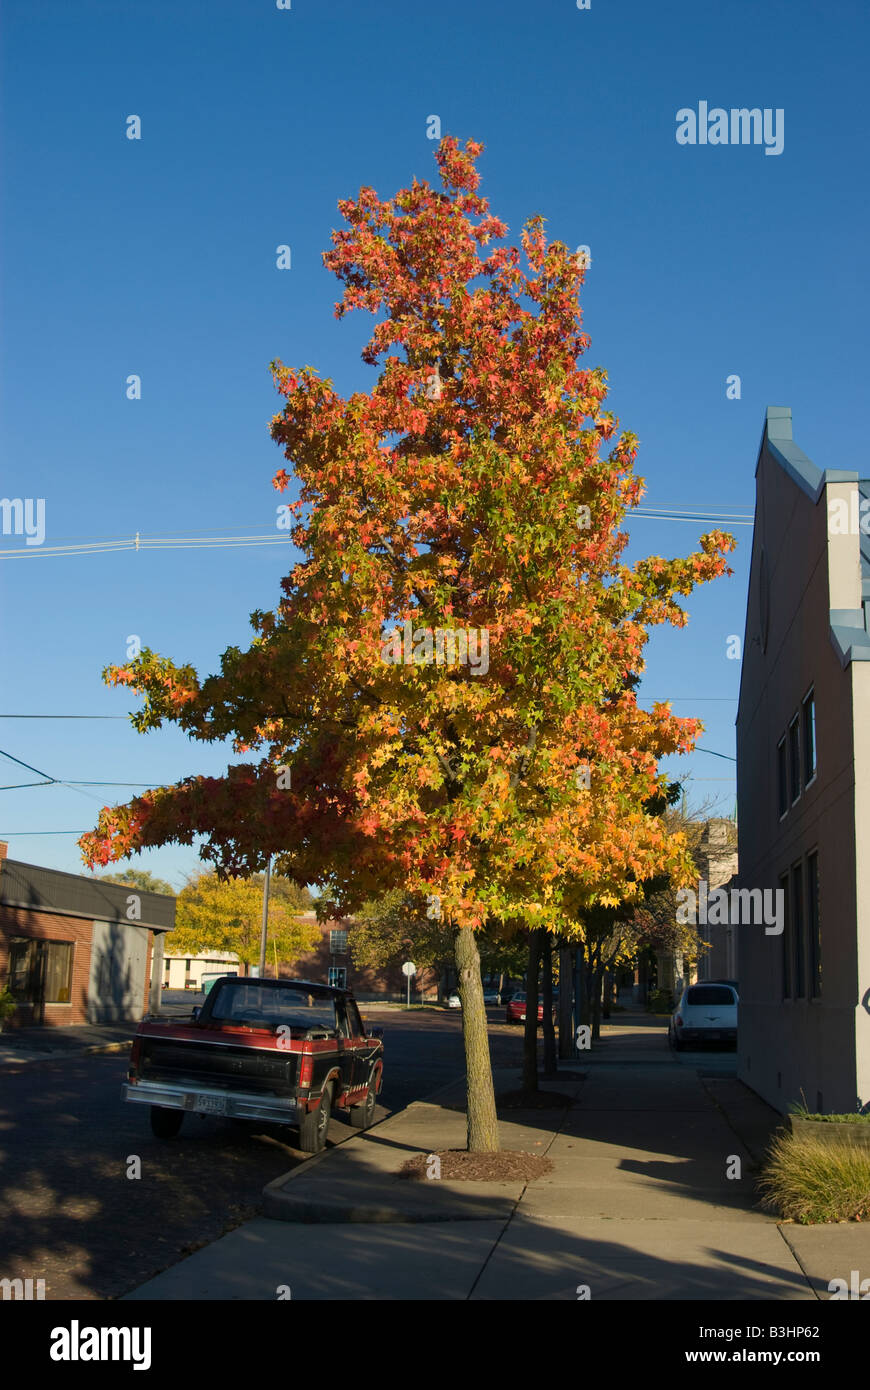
{"type": "Point", "coordinates": [409, 969]}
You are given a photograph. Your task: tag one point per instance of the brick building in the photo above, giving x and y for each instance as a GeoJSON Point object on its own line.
{"type": "Point", "coordinates": [332, 963]}
{"type": "Point", "coordinates": [78, 950]}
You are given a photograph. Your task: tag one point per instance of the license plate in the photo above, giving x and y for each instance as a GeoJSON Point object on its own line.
{"type": "Point", "coordinates": [713, 1034]}
{"type": "Point", "coordinates": [210, 1105]}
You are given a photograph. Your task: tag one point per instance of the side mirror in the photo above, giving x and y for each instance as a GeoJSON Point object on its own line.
{"type": "Point", "coordinates": [195, 1013]}
{"type": "Point", "coordinates": [376, 1032]}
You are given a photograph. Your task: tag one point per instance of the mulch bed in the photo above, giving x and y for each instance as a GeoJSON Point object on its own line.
{"type": "Point", "coordinates": [507, 1166]}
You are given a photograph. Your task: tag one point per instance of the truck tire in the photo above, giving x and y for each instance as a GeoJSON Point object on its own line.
{"type": "Point", "coordinates": [314, 1125]}
{"type": "Point", "coordinates": [165, 1123]}
{"type": "Point", "coordinates": [361, 1116]}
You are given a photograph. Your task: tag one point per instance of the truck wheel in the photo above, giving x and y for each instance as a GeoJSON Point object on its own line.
{"type": "Point", "coordinates": [313, 1126]}
{"type": "Point", "coordinates": [361, 1116]}
{"type": "Point", "coordinates": [165, 1123]}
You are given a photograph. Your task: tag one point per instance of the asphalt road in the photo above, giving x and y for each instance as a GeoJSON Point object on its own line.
{"type": "Point", "coordinates": [74, 1214]}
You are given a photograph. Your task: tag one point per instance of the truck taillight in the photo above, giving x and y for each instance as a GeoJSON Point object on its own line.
{"type": "Point", "coordinates": [135, 1052]}
{"type": "Point", "coordinates": [306, 1069]}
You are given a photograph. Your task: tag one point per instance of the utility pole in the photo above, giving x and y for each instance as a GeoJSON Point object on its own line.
{"type": "Point", "coordinates": [265, 927]}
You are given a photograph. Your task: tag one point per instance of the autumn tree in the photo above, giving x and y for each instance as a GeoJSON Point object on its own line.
{"type": "Point", "coordinates": [441, 701]}
{"type": "Point", "coordinates": [212, 914]}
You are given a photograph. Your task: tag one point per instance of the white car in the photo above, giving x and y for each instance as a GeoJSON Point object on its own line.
{"type": "Point", "coordinates": [453, 1001]}
{"type": "Point", "coordinates": [707, 1012]}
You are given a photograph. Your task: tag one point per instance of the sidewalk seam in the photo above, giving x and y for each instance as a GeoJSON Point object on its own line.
{"type": "Point", "coordinates": [509, 1219]}
{"type": "Point", "coordinates": [799, 1262]}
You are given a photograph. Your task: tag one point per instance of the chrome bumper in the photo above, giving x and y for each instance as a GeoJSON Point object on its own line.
{"type": "Point", "coordinates": [238, 1105]}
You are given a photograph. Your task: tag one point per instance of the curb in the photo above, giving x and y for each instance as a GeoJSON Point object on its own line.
{"type": "Point", "coordinates": [14, 1063]}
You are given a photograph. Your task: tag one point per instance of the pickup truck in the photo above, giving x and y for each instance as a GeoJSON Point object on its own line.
{"type": "Point", "coordinates": [286, 1052]}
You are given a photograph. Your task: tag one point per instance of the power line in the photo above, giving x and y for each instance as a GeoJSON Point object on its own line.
{"type": "Point", "coordinates": [8, 834]}
{"type": "Point", "coordinates": [60, 782]}
{"type": "Point", "coordinates": [174, 540]}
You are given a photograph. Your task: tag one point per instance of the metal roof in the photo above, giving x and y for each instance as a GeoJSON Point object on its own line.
{"type": "Point", "coordinates": [35, 889]}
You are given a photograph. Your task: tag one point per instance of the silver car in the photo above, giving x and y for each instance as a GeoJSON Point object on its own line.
{"type": "Point", "coordinates": [707, 1012]}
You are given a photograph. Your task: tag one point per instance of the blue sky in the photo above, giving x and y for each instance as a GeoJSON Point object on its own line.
{"type": "Point", "coordinates": [157, 257]}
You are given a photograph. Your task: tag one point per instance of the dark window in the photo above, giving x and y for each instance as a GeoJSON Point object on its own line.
{"type": "Point", "coordinates": [814, 926]}
{"type": "Point", "coordinates": [797, 933]}
{"type": "Point", "coordinates": [248, 1002]}
{"type": "Point", "coordinates": [40, 972]}
{"type": "Point", "coordinates": [356, 1024]}
{"type": "Point", "coordinates": [710, 994]}
{"type": "Point", "coordinates": [794, 758]}
{"type": "Point", "coordinates": [786, 938]}
{"type": "Point", "coordinates": [809, 738]}
{"type": "Point", "coordinates": [338, 942]}
{"type": "Point", "coordinates": [782, 784]}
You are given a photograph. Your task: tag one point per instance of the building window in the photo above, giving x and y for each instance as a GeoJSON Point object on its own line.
{"type": "Point", "coordinates": [40, 972]}
{"type": "Point", "coordinates": [814, 927]}
{"type": "Point", "coordinates": [794, 758]}
{"type": "Point", "coordinates": [338, 943]}
{"type": "Point", "coordinates": [782, 783]}
{"type": "Point", "coordinates": [786, 939]}
{"type": "Point", "coordinates": [809, 719]}
{"type": "Point", "coordinates": [337, 977]}
{"type": "Point", "coordinates": [797, 931]}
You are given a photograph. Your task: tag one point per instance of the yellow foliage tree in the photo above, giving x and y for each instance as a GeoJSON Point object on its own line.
{"type": "Point", "coordinates": [215, 916]}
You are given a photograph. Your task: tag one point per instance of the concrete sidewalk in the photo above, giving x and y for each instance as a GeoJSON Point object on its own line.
{"type": "Point", "coordinates": [639, 1204]}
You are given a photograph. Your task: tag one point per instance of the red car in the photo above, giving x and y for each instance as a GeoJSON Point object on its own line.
{"type": "Point", "coordinates": [516, 1010]}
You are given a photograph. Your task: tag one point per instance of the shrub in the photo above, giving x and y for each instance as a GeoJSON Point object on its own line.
{"type": "Point", "coordinates": [807, 1180]}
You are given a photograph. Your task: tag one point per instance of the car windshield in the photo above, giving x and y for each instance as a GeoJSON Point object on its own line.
{"type": "Point", "coordinates": [519, 998]}
{"type": "Point", "coordinates": [264, 1006]}
{"type": "Point", "coordinates": [710, 994]}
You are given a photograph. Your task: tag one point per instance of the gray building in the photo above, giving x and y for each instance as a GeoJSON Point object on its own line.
{"type": "Point", "coordinates": [803, 782]}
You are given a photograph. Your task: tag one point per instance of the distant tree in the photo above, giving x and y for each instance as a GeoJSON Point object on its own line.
{"type": "Point", "coordinates": [285, 891]}
{"type": "Point", "coordinates": [140, 878]}
{"type": "Point", "coordinates": [394, 927]}
{"type": "Point", "coordinates": [212, 915]}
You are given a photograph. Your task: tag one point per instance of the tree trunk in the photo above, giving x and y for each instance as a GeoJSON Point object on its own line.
{"type": "Point", "coordinates": [530, 1035]}
{"type": "Point", "coordinates": [566, 999]}
{"type": "Point", "coordinates": [547, 1021]}
{"type": "Point", "coordinates": [596, 1003]}
{"type": "Point", "coordinates": [482, 1122]}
